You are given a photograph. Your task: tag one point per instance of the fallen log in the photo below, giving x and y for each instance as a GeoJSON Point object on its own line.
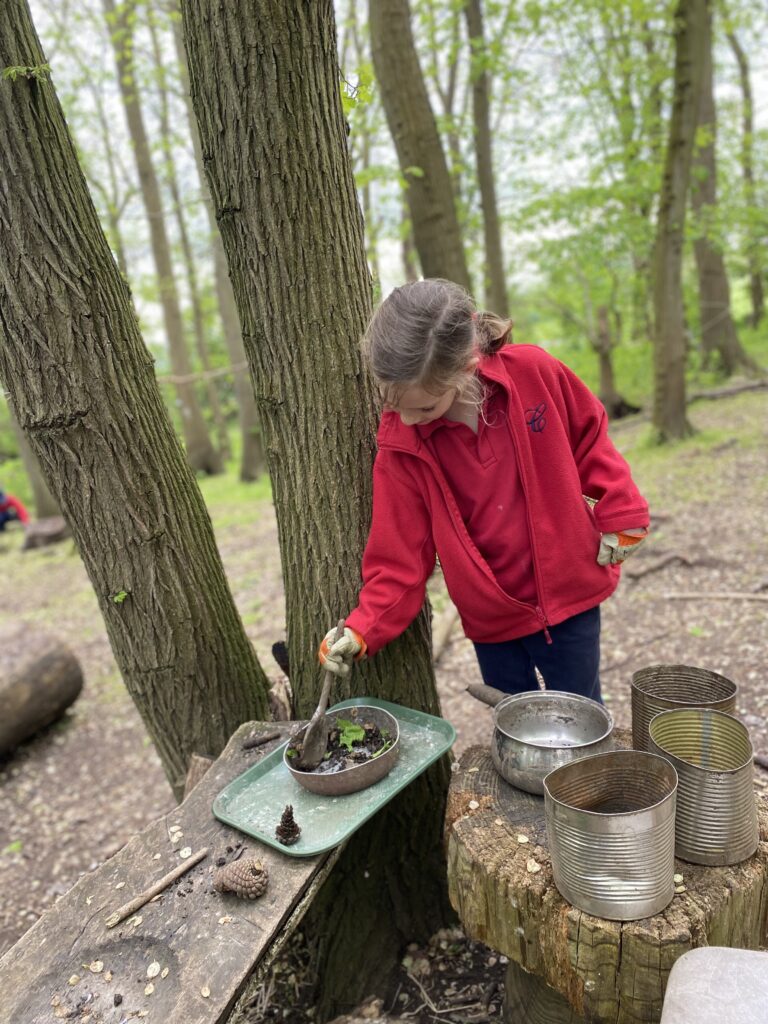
{"type": "Point", "coordinates": [39, 678]}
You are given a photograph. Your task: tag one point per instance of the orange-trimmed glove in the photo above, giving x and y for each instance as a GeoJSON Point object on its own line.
{"type": "Point", "coordinates": [615, 547]}
{"type": "Point", "coordinates": [337, 657]}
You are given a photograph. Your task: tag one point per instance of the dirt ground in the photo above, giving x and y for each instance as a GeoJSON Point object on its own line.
{"type": "Point", "coordinates": [73, 795]}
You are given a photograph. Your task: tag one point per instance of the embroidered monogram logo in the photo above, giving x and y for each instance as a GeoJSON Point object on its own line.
{"type": "Point", "coordinates": [535, 417]}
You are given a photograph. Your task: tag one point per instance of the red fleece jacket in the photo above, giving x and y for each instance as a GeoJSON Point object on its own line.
{"type": "Point", "coordinates": [560, 434]}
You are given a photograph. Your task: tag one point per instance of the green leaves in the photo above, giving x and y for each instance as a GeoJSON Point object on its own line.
{"type": "Point", "coordinates": [120, 596]}
{"type": "Point", "coordinates": [349, 732]}
{"type": "Point", "coordinates": [36, 72]}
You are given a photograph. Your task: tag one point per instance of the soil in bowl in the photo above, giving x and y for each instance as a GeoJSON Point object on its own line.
{"type": "Point", "coordinates": [349, 744]}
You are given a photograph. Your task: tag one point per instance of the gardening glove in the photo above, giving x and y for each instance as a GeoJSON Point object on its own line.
{"type": "Point", "coordinates": [337, 657]}
{"type": "Point", "coordinates": [615, 547]}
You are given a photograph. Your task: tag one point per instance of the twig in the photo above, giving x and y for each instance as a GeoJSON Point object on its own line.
{"type": "Point", "coordinates": [147, 895]}
{"type": "Point", "coordinates": [715, 595]}
{"type": "Point", "coordinates": [661, 563]}
{"type": "Point", "coordinates": [258, 741]}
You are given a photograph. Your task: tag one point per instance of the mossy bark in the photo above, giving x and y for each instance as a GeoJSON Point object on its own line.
{"type": "Point", "coordinates": [83, 389]}
{"type": "Point", "coordinates": [264, 84]}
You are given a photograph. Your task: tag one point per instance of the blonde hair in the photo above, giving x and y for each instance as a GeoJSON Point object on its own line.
{"type": "Point", "coordinates": [424, 334]}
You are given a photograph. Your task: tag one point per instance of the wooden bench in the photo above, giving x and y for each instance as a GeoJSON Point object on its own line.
{"type": "Point", "coordinates": [567, 966]}
{"type": "Point", "coordinates": [70, 966]}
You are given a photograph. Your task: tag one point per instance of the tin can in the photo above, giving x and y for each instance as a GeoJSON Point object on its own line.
{"type": "Point", "coordinates": [611, 828]}
{"type": "Point", "coordinates": [711, 752]}
{"type": "Point", "coordinates": [669, 687]}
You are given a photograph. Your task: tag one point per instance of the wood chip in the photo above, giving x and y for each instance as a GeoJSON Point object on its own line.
{"type": "Point", "coordinates": [135, 921]}
{"type": "Point", "coordinates": [96, 966]}
{"type": "Point", "coordinates": [205, 991]}
{"type": "Point", "coordinates": [680, 889]}
{"type": "Point", "coordinates": [153, 970]}
{"type": "Point", "coordinates": [108, 976]}
{"type": "Point", "coordinates": [533, 866]}
{"type": "Point", "coordinates": [164, 972]}
{"type": "Point", "coordinates": [74, 979]}
{"type": "Point", "coordinates": [470, 770]}
{"type": "Point", "coordinates": [522, 838]}
{"type": "Point", "coordinates": [678, 879]}
{"type": "Point", "coordinates": [498, 822]}
{"type": "Point", "coordinates": [473, 805]}
{"type": "Point", "coordinates": [120, 885]}
{"type": "Point", "coordinates": [186, 852]}
{"type": "Point", "coordinates": [226, 919]}
{"type": "Point", "coordinates": [149, 989]}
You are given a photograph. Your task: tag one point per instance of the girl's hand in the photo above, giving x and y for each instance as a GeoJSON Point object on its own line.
{"type": "Point", "coordinates": [615, 547]}
{"type": "Point", "coordinates": [337, 657]}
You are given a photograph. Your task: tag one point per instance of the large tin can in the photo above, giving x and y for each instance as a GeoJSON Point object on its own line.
{"type": "Point", "coordinates": [711, 752]}
{"type": "Point", "coordinates": [668, 687]}
{"type": "Point", "coordinates": [611, 829]}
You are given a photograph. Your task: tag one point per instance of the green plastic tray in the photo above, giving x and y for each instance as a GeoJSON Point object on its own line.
{"type": "Point", "coordinates": [254, 802]}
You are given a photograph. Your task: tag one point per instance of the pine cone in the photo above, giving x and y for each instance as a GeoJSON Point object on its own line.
{"type": "Point", "coordinates": [287, 831]}
{"type": "Point", "coordinates": [245, 878]}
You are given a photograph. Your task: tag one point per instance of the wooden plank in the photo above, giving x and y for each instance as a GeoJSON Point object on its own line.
{"type": "Point", "coordinates": [608, 971]}
{"type": "Point", "coordinates": [210, 943]}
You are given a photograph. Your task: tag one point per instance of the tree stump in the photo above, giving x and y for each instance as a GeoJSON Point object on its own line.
{"type": "Point", "coordinates": [39, 678]}
{"type": "Point", "coordinates": [600, 970]}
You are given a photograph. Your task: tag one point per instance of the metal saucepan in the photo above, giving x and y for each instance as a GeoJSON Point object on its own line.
{"type": "Point", "coordinates": [540, 730]}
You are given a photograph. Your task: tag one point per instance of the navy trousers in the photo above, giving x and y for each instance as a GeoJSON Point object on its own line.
{"type": "Point", "coordinates": [571, 662]}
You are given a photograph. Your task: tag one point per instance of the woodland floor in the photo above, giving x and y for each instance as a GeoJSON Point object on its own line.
{"type": "Point", "coordinates": [72, 796]}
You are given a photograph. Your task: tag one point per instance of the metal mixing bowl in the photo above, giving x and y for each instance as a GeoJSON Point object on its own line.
{"type": "Point", "coordinates": [538, 731]}
{"type": "Point", "coordinates": [359, 776]}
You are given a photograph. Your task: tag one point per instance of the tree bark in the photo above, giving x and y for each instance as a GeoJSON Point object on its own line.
{"type": "Point", "coordinates": [495, 283]}
{"type": "Point", "coordinates": [264, 76]}
{"type": "Point", "coordinates": [756, 290]}
{"type": "Point", "coordinates": [670, 350]}
{"type": "Point", "coordinates": [252, 460]}
{"type": "Point", "coordinates": [83, 389]}
{"type": "Point", "coordinates": [190, 267]}
{"type": "Point", "coordinates": [200, 451]}
{"type": "Point", "coordinates": [719, 341]}
{"type": "Point", "coordinates": [419, 150]}
{"type": "Point", "coordinates": [45, 503]}
{"type": "Point", "coordinates": [407, 247]}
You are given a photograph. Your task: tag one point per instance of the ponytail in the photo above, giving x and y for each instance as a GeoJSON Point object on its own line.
{"type": "Point", "coordinates": [493, 332]}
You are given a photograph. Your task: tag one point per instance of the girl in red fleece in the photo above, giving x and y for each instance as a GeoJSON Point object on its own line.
{"type": "Point", "coordinates": [486, 453]}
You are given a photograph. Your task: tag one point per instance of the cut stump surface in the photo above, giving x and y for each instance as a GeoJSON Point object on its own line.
{"type": "Point", "coordinates": [608, 971]}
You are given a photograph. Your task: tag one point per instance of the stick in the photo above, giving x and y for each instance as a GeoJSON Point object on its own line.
{"type": "Point", "coordinates": [715, 595]}
{"type": "Point", "coordinates": [258, 741]}
{"type": "Point", "coordinates": [128, 908]}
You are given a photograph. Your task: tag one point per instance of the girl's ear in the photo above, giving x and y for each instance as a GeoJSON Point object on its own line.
{"type": "Point", "coordinates": [473, 363]}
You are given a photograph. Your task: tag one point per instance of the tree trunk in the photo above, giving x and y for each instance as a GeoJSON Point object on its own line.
{"type": "Point", "coordinates": [495, 280]}
{"type": "Point", "coordinates": [190, 267]}
{"type": "Point", "coordinates": [719, 341]}
{"type": "Point", "coordinates": [669, 403]}
{"type": "Point", "coordinates": [293, 234]}
{"type": "Point", "coordinates": [419, 150]}
{"type": "Point", "coordinates": [408, 249]}
{"type": "Point", "coordinates": [200, 451]}
{"type": "Point", "coordinates": [252, 460]}
{"type": "Point", "coordinates": [83, 389]}
{"type": "Point", "coordinates": [748, 174]}
{"type": "Point", "coordinates": [45, 503]}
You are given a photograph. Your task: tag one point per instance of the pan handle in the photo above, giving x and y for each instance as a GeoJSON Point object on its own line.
{"type": "Point", "coordinates": [487, 694]}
